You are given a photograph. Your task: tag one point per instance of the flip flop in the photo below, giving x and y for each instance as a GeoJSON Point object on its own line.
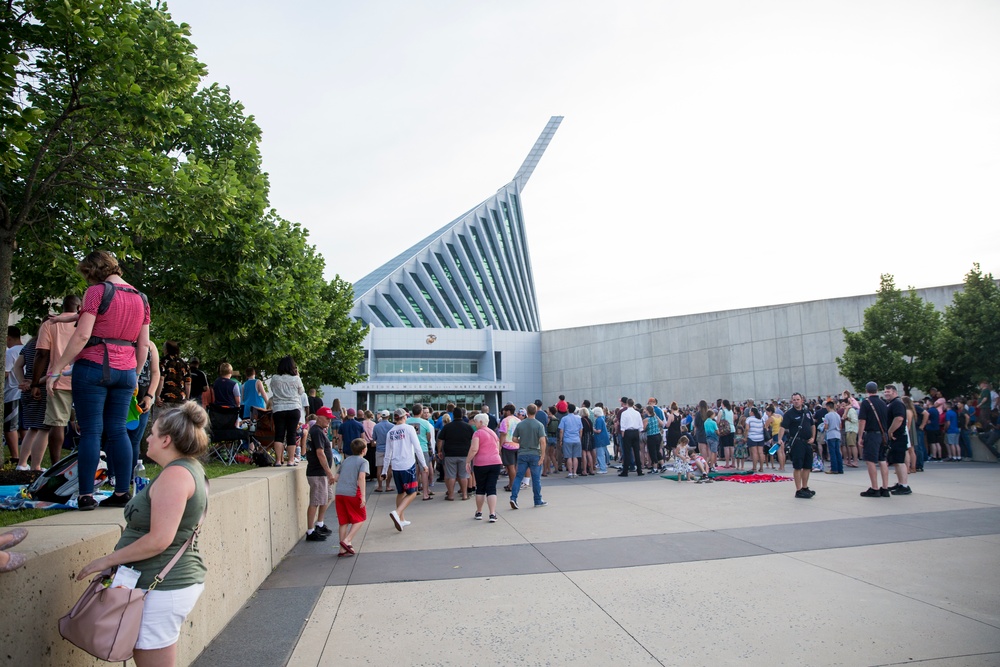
{"type": "Point", "coordinates": [347, 547]}
{"type": "Point", "coordinates": [389, 490]}
{"type": "Point", "coordinates": [449, 498]}
{"type": "Point", "coordinates": [427, 498]}
{"type": "Point", "coordinates": [344, 554]}
{"type": "Point", "coordinates": [377, 490]}
{"type": "Point", "coordinates": [16, 537]}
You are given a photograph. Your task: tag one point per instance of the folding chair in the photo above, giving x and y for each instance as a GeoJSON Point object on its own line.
{"type": "Point", "coordinates": [227, 440]}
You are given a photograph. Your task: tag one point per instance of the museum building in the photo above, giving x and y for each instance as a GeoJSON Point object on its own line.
{"type": "Point", "coordinates": [454, 318]}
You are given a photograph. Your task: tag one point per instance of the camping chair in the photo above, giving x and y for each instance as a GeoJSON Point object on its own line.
{"type": "Point", "coordinates": [227, 440]}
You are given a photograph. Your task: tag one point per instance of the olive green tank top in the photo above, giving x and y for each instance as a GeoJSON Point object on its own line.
{"type": "Point", "coordinates": [190, 569]}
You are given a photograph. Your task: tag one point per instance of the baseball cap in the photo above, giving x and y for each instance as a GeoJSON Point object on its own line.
{"type": "Point", "coordinates": [871, 387]}
{"type": "Point", "coordinates": [351, 412]}
{"type": "Point", "coordinates": [400, 412]}
{"type": "Point", "coordinates": [385, 413]}
{"type": "Point", "coordinates": [325, 412]}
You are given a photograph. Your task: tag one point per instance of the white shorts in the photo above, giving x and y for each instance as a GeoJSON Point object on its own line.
{"type": "Point", "coordinates": [163, 612]}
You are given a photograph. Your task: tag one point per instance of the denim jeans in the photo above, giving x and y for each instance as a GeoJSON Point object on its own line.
{"type": "Point", "coordinates": [135, 437]}
{"type": "Point", "coordinates": [921, 449]}
{"type": "Point", "coordinates": [525, 462]}
{"type": "Point", "coordinates": [836, 459]}
{"type": "Point", "coordinates": [602, 458]}
{"type": "Point", "coordinates": [102, 409]}
{"type": "Point", "coordinates": [965, 444]}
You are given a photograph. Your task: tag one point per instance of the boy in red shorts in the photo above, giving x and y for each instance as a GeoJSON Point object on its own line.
{"type": "Point", "coordinates": [350, 497]}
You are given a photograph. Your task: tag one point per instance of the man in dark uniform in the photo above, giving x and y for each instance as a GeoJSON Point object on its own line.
{"type": "Point", "coordinates": [798, 433]}
{"type": "Point", "coordinates": [898, 442]}
{"type": "Point", "coordinates": [872, 419]}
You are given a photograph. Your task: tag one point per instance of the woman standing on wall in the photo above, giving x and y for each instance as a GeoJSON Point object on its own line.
{"type": "Point", "coordinates": [286, 402]}
{"type": "Point", "coordinates": [111, 334]}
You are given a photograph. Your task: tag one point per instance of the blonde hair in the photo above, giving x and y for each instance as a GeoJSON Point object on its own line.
{"type": "Point", "coordinates": [225, 367]}
{"type": "Point", "coordinates": [185, 425]}
{"type": "Point", "coordinates": [97, 266]}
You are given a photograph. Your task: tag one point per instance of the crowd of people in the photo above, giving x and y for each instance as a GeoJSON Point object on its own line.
{"type": "Point", "coordinates": [469, 451]}
{"type": "Point", "coordinates": [93, 365]}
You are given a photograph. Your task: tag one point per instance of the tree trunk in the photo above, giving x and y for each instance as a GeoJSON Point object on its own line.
{"type": "Point", "coordinates": [6, 294]}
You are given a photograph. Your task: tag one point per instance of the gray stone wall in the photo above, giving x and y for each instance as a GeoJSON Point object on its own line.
{"type": "Point", "coordinates": [761, 353]}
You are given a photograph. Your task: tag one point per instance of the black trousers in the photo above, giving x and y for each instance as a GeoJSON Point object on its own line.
{"type": "Point", "coordinates": [630, 451]}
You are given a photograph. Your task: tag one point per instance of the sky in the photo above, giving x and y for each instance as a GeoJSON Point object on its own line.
{"type": "Point", "coordinates": [715, 154]}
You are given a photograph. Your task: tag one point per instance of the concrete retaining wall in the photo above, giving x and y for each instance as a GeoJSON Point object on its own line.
{"type": "Point", "coordinates": [254, 519]}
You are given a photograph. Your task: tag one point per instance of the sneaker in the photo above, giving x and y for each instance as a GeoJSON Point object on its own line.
{"type": "Point", "coordinates": [513, 504]}
{"type": "Point", "coordinates": [525, 485]}
{"type": "Point", "coordinates": [893, 488]}
{"type": "Point", "coordinates": [901, 490]}
{"type": "Point", "coordinates": [405, 524]}
{"type": "Point", "coordinates": [493, 518]}
{"type": "Point", "coordinates": [315, 536]}
{"type": "Point", "coordinates": [115, 500]}
{"type": "Point", "coordinates": [478, 516]}
{"type": "Point", "coordinates": [802, 493]}
{"type": "Point", "coordinates": [809, 491]}
{"type": "Point", "coordinates": [396, 520]}
{"type": "Point", "coordinates": [323, 530]}
{"type": "Point", "coordinates": [85, 503]}
{"type": "Point", "coordinates": [884, 492]}
{"type": "Point", "coordinates": [541, 504]}
{"type": "Point", "coordinates": [870, 493]}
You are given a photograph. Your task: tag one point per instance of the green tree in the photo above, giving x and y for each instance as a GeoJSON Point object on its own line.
{"type": "Point", "coordinates": [339, 361]}
{"type": "Point", "coordinates": [897, 342]}
{"type": "Point", "coordinates": [969, 345]}
{"type": "Point", "coordinates": [88, 93]}
{"type": "Point", "coordinates": [106, 141]}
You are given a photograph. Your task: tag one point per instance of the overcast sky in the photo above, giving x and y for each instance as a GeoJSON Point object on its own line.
{"type": "Point", "coordinates": [714, 154]}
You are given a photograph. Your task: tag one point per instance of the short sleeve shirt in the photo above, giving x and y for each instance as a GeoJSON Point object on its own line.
{"type": "Point", "coordinates": [54, 336]}
{"type": "Point", "coordinates": [895, 408]}
{"type": "Point", "coordinates": [798, 425]}
{"type": "Point", "coordinates": [123, 320]}
{"type": "Point", "coordinates": [873, 411]}
{"type": "Point", "coordinates": [529, 433]}
{"type": "Point", "coordinates": [350, 470]}
{"type": "Point", "coordinates": [318, 442]}
{"type": "Point", "coordinates": [457, 437]}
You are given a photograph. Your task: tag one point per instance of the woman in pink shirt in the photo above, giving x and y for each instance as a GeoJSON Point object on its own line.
{"type": "Point", "coordinates": [103, 351]}
{"type": "Point", "coordinates": [485, 463]}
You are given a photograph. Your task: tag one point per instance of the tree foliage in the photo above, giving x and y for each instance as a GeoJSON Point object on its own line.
{"type": "Point", "coordinates": [107, 141]}
{"type": "Point", "coordinates": [969, 346]}
{"type": "Point", "coordinates": [897, 343]}
{"type": "Point", "coordinates": [341, 355]}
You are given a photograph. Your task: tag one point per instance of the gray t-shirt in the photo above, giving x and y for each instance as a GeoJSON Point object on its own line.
{"type": "Point", "coordinates": [347, 483]}
{"type": "Point", "coordinates": [528, 433]}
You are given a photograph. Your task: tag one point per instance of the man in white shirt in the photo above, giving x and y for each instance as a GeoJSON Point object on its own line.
{"type": "Point", "coordinates": [402, 453]}
{"type": "Point", "coordinates": [631, 424]}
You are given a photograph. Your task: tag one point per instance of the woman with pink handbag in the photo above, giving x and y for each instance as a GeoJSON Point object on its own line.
{"type": "Point", "coordinates": [160, 537]}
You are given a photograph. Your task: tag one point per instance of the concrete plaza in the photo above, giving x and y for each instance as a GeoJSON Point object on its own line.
{"type": "Point", "coordinates": [646, 571]}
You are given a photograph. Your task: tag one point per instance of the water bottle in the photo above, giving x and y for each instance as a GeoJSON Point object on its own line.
{"type": "Point", "coordinates": [139, 477]}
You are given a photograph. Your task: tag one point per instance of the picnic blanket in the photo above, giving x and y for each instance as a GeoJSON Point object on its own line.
{"type": "Point", "coordinates": [715, 474]}
{"type": "Point", "coordinates": [16, 498]}
{"type": "Point", "coordinates": [760, 478]}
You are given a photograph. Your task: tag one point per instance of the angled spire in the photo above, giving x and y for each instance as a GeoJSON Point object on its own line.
{"type": "Point", "coordinates": [530, 162]}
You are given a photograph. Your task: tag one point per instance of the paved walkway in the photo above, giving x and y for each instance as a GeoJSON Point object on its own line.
{"type": "Point", "coordinates": [646, 571]}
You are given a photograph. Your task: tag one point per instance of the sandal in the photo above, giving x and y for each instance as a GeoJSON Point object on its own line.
{"type": "Point", "coordinates": [448, 498]}
{"type": "Point", "coordinates": [344, 554]}
{"type": "Point", "coordinates": [507, 488]}
{"type": "Point", "coordinates": [347, 547]}
{"type": "Point", "coordinates": [427, 498]}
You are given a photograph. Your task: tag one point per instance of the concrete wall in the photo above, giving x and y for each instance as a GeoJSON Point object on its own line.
{"type": "Point", "coordinates": [254, 519]}
{"type": "Point", "coordinates": [760, 353]}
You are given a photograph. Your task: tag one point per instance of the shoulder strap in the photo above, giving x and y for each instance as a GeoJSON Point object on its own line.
{"type": "Point", "coordinates": [877, 419]}
{"type": "Point", "coordinates": [107, 297]}
{"type": "Point", "coordinates": [158, 579]}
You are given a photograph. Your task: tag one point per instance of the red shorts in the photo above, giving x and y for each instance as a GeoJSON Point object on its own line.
{"type": "Point", "coordinates": [349, 509]}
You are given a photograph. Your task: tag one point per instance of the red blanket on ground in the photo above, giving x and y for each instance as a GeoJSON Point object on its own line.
{"type": "Point", "coordinates": [753, 479]}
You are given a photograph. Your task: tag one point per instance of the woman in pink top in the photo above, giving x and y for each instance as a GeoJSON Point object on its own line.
{"type": "Point", "coordinates": [484, 461]}
{"type": "Point", "coordinates": [103, 351]}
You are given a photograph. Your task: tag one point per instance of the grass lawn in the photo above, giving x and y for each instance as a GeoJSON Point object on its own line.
{"type": "Point", "coordinates": [212, 470]}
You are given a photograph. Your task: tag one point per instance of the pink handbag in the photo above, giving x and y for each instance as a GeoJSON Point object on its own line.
{"type": "Point", "coordinates": [105, 622]}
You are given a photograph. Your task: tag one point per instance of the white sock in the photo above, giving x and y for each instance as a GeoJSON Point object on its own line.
{"type": "Point", "coordinates": [319, 524]}
{"type": "Point", "coordinates": [309, 532]}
